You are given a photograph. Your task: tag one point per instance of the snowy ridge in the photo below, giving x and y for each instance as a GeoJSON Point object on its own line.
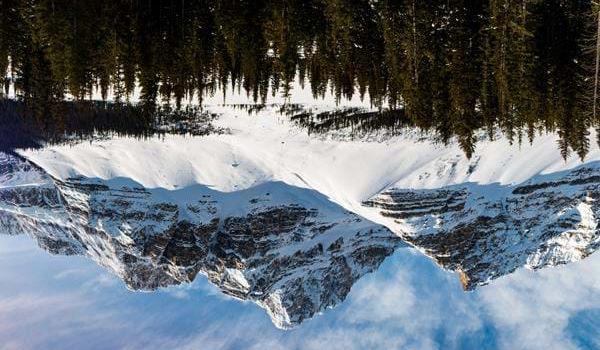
{"type": "Point", "coordinates": [288, 249]}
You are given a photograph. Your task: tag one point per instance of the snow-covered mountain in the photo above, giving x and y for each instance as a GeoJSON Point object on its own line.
{"type": "Point", "coordinates": [288, 249]}
{"type": "Point", "coordinates": [272, 215]}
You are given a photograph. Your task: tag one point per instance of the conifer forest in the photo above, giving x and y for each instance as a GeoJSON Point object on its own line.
{"type": "Point", "coordinates": [452, 68]}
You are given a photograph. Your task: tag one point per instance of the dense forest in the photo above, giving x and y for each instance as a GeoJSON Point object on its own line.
{"type": "Point", "coordinates": [452, 67]}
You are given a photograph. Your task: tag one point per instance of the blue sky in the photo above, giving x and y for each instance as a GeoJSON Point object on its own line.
{"type": "Point", "coordinates": [55, 302]}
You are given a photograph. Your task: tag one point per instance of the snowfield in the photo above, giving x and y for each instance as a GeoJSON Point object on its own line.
{"type": "Point", "coordinates": [265, 147]}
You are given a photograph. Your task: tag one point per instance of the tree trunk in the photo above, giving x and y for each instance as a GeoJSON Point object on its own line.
{"type": "Point", "coordinates": [597, 68]}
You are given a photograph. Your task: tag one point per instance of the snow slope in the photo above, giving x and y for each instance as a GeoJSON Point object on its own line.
{"type": "Point", "coordinates": [266, 147]}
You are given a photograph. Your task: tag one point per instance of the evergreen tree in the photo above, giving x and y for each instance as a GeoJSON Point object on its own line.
{"type": "Point", "coordinates": [452, 66]}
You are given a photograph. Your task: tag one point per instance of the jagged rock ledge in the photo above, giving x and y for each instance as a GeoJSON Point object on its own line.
{"type": "Point", "coordinates": [487, 231]}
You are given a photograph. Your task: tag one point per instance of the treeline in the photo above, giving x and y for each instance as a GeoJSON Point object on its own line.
{"type": "Point", "coordinates": [89, 120]}
{"type": "Point", "coordinates": [450, 66]}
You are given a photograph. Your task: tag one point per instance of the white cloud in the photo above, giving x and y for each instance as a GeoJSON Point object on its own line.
{"type": "Point", "coordinates": [409, 303]}
{"type": "Point", "coordinates": [532, 309]}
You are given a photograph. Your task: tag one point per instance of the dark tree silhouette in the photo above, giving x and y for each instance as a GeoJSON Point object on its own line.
{"type": "Point", "coordinates": [451, 67]}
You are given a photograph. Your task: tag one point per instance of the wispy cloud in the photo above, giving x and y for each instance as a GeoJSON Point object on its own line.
{"type": "Point", "coordinates": [408, 303]}
{"type": "Point", "coordinates": [533, 309]}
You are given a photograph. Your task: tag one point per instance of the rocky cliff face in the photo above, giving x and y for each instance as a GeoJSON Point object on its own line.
{"type": "Point", "coordinates": [287, 249]}
{"type": "Point", "coordinates": [487, 231]}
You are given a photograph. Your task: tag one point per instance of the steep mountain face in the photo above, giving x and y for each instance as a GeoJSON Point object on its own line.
{"type": "Point", "coordinates": [487, 231]}
{"type": "Point", "coordinates": [290, 250]}
{"type": "Point", "coordinates": [293, 250]}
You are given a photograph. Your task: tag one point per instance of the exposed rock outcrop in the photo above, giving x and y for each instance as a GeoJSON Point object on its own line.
{"type": "Point", "coordinates": [287, 249]}
{"type": "Point", "coordinates": [487, 231]}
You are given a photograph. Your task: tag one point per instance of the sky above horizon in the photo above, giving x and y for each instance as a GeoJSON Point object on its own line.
{"type": "Point", "coordinates": [57, 302]}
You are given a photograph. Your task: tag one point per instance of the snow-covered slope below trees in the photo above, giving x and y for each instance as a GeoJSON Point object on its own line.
{"type": "Point", "coordinates": [509, 206]}
{"type": "Point", "coordinates": [265, 146]}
